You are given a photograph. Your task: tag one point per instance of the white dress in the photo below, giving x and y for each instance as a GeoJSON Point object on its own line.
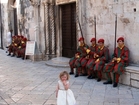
{"type": "Point", "coordinates": [65, 97]}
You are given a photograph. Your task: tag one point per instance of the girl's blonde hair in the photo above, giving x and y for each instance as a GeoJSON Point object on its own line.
{"type": "Point", "coordinates": [64, 73]}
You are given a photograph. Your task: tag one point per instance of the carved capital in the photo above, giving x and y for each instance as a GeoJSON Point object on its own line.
{"type": "Point", "coordinates": [35, 3]}
{"type": "Point", "coordinates": [51, 2]}
{"type": "Point", "coordinates": [44, 2]}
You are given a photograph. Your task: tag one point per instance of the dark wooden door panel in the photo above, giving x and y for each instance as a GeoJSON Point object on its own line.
{"type": "Point", "coordinates": [69, 30]}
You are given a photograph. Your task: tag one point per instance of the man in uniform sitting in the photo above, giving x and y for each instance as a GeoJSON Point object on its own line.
{"type": "Point", "coordinates": [75, 62]}
{"type": "Point", "coordinates": [119, 62]}
{"type": "Point", "coordinates": [91, 60]}
{"type": "Point", "coordinates": [102, 57]}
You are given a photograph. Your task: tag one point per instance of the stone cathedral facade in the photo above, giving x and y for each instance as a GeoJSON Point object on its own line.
{"type": "Point", "coordinates": [54, 24]}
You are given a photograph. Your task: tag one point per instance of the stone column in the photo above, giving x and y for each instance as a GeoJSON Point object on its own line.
{"type": "Point", "coordinates": [10, 19]}
{"type": "Point", "coordinates": [36, 28]}
{"type": "Point", "coordinates": [36, 5]}
{"type": "Point", "coordinates": [38, 53]}
{"type": "Point", "coordinates": [52, 28]}
{"type": "Point", "coordinates": [46, 26]}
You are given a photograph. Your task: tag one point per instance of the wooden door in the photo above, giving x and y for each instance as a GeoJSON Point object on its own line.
{"type": "Point", "coordinates": [69, 30]}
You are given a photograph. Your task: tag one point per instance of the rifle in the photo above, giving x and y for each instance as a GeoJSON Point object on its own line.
{"type": "Point", "coordinates": [80, 27]}
{"type": "Point", "coordinates": [115, 34]}
{"type": "Point", "coordinates": [115, 31]}
{"type": "Point", "coordinates": [95, 30]}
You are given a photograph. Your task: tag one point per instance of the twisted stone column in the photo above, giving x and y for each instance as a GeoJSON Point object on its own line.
{"type": "Point", "coordinates": [46, 27]}
{"type": "Point", "coordinates": [52, 29]}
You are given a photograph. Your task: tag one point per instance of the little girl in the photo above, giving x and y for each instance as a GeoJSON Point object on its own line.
{"type": "Point", "coordinates": [64, 95]}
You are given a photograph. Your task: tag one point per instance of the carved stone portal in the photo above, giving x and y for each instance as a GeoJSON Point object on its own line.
{"type": "Point", "coordinates": [64, 1]}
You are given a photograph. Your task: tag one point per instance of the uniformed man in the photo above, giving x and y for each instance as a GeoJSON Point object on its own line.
{"type": "Point", "coordinates": [19, 47]}
{"type": "Point", "coordinates": [91, 60]}
{"type": "Point", "coordinates": [75, 62]}
{"type": "Point", "coordinates": [120, 59]}
{"type": "Point", "coordinates": [102, 57]}
{"type": "Point", "coordinates": [23, 48]}
{"type": "Point", "coordinates": [15, 45]}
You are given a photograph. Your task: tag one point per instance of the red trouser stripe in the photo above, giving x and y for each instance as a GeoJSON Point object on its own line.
{"type": "Point", "coordinates": [117, 77]}
{"type": "Point", "coordinates": [99, 74]}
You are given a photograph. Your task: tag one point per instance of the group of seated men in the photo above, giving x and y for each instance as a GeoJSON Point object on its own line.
{"type": "Point", "coordinates": [18, 46]}
{"type": "Point", "coordinates": [92, 61]}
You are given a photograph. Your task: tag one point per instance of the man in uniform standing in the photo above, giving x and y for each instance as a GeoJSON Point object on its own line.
{"type": "Point", "coordinates": [119, 62]}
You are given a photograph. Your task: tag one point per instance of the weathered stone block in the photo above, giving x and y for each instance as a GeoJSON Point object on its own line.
{"type": "Point", "coordinates": [132, 69]}
{"type": "Point", "coordinates": [125, 78]}
{"type": "Point", "coordinates": [135, 83]}
{"type": "Point", "coordinates": [135, 76]}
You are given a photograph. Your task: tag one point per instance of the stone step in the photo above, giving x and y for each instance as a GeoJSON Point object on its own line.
{"type": "Point", "coordinates": [58, 62]}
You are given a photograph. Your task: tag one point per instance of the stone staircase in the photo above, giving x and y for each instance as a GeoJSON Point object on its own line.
{"type": "Point", "coordinates": [130, 77]}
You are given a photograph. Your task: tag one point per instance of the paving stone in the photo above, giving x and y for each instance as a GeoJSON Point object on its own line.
{"type": "Point", "coordinates": [50, 102]}
{"type": "Point", "coordinates": [94, 103]}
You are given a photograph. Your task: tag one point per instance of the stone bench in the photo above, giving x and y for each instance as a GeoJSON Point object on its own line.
{"type": "Point", "coordinates": [130, 77]}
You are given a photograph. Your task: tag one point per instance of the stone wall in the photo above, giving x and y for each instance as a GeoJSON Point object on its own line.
{"type": "Point", "coordinates": [105, 10]}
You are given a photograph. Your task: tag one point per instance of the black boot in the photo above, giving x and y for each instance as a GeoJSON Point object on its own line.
{"type": "Point", "coordinates": [89, 76]}
{"type": "Point", "coordinates": [98, 80]}
{"type": "Point", "coordinates": [115, 84]}
{"type": "Point", "coordinates": [107, 82]}
{"type": "Point", "coordinates": [18, 56]}
{"type": "Point", "coordinates": [71, 73]}
{"type": "Point", "coordinates": [76, 75]}
{"type": "Point", "coordinates": [13, 55]}
{"type": "Point", "coordinates": [9, 54]}
{"type": "Point", "coordinates": [84, 74]}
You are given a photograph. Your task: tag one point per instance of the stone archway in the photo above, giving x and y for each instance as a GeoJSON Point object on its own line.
{"type": "Point", "coordinates": [12, 16]}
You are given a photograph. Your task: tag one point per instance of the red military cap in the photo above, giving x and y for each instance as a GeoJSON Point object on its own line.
{"type": "Point", "coordinates": [101, 40]}
{"type": "Point", "coordinates": [120, 38]}
{"type": "Point", "coordinates": [25, 39]}
{"type": "Point", "coordinates": [81, 38]}
{"type": "Point", "coordinates": [93, 39]}
{"type": "Point", "coordinates": [22, 36]}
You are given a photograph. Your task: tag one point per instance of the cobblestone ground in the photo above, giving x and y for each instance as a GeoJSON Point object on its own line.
{"type": "Point", "coordinates": [23, 82]}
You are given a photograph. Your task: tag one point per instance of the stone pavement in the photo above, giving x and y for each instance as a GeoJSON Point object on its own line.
{"type": "Point", "coordinates": [23, 82]}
